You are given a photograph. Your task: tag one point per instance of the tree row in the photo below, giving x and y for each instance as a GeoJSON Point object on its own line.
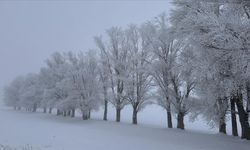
{"type": "Point", "coordinates": [195, 61]}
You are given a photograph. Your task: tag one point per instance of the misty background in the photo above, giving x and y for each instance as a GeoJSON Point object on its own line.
{"type": "Point", "coordinates": [30, 31]}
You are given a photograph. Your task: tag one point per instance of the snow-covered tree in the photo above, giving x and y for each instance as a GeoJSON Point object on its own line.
{"type": "Point", "coordinates": [137, 85]}
{"type": "Point", "coordinates": [158, 35]}
{"type": "Point", "coordinates": [103, 70]}
{"type": "Point", "coordinates": [219, 28]}
{"type": "Point", "coordinates": [182, 80]}
{"type": "Point", "coordinates": [31, 92]}
{"type": "Point", "coordinates": [116, 52]}
{"type": "Point", "coordinates": [12, 93]}
{"type": "Point", "coordinates": [54, 75]}
{"type": "Point", "coordinates": [83, 83]}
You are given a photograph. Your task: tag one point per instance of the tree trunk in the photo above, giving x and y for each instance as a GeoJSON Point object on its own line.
{"type": "Point", "coordinates": [85, 115]}
{"type": "Point", "coordinates": [44, 110]}
{"type": "Point", "coordinates": [89, 114]}
{"type": "Point", "coordinates": [118, 114]}
{"type": "Point", "coordinates": [73, 113]}
{"type": "Point", "coordinates": [105, 110]}
{"type": "Point", "coordinates": [180, 120]}
{"type": "Point", "coordinates": [34, 108]}
{"type": "Point", "coordinates": [245, 129]}
{"type": "Point", "coordinates": [58, 112]}
{"type": "Point", "coordinates": [233, 117]}
{"type": "Point", "coordinates": [50, 110]}
{"type": "Point", "coordinates": [169, 116]}
{"type": "Point", "coordinates": [64, 113]}
{"type": "Point", "coordinates": [19, 108]}
{"type": "Point", "coordinates": [222, 125]}
{"type": "Point", "coordinates": [134, 119]}
{"type": "Point", "coordinates": [69, 113]}
{"type": "Point", "coordinates": [248, 98]}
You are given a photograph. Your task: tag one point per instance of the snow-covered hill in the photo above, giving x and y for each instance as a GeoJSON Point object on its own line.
{"type": "Point", "coordinates": [50, 132]}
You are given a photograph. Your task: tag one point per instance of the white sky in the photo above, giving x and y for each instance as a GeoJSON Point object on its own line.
{"type": "Point", "coordinates": [31, 31]}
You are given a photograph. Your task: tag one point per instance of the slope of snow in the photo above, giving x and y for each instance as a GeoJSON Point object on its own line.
{"type": "Point", "coordinates": [50, 132]}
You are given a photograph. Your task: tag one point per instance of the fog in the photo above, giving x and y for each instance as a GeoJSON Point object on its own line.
{"type": "Point", "coordinates": [31, 31]}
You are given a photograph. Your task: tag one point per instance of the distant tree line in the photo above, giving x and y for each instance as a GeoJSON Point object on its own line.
{"type": "Point", "coordinates": [195, 61]}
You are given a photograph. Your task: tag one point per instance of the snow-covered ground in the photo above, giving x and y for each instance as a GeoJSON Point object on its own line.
{"type": "Point", "coordinates": [50, 132]}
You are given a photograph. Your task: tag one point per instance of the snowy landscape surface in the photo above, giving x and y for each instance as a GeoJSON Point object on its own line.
{"type": "Point", "coordinates": [28, 131]}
